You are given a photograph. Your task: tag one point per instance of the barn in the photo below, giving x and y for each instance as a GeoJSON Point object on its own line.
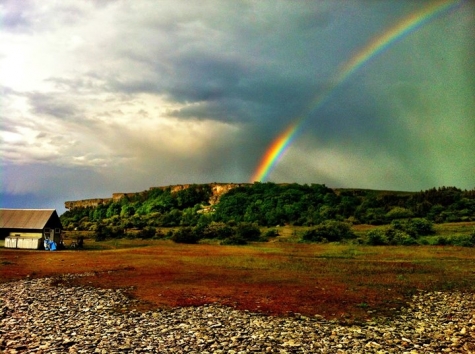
{"type": "Point", "coordinates": [29, 228]}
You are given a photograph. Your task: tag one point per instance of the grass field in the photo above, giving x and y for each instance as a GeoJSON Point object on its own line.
{"type": "Point", "coordinates": [347, 282]}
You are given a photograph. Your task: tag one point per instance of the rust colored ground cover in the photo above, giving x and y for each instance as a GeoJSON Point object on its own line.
{"type": "Point", "coordinates": [336, 281]}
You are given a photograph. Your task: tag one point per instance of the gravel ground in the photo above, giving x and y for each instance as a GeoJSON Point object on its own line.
{"type": "Point", "coordinates": [44, 316]}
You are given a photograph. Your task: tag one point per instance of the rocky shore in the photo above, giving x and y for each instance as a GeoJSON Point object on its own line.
{"type": "Point", "coordinates": [46, 316]}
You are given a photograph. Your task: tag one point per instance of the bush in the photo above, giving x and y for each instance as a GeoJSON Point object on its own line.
{"type": "Point", "coordinates": [421, 227]}
{"type": "Point", "coordinates": [146, 233]}
{"type": "Point", "coordinates": [442, 241]}
{"type": "Point", "coordinates": [104, 232]}
{"type": "Point", "coordinates": [396, 236]}
{"type": "Point", "coordinates": [466, 241]}
{"type": "Point", "coordinates": [216, 230]}
{"type": "Point", "coordinates": [248, 232]}
{"type": "Point", "coordinates": [312, 235]}
{"type": "Point", "coordinates": [185, 235]}
{"type": "Point", "coordinates": [234, 240]}
{"type": "Point", "coordinates": [271, 233]}
{"type": "Point", "coordinates": [329, 231]}
{"type": "Point", "coordinates": [409, 241]}
{"type": "Point", "coordinates": [101, 233]}
{"type": "Point", "coordinates": [377, 237]}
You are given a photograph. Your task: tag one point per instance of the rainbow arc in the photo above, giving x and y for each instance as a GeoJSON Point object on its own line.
{"type": "Point", "coordinates": [376, 46]}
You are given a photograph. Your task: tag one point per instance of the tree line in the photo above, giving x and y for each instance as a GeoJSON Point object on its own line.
{"type": "Point", "coordinates": [269, 205]}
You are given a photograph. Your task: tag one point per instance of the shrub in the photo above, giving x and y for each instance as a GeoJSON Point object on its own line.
{"type": "Point", "coordinates": [234, 240]}
{"type": "Point", "coordinates": [101, 233]}
{"type": "Point", "coordinates": [472, 236]}
{"type": "Point", "coordinates": [104, 232]}
{"type": "Point", "coordinates": [396, 236]}
{"type": "Point", "coordinates": [271, 233]}
{"type": "Point", "coordinates": [421, 227]}
{"type": "Point", "coordinates": [424, 242]}
{"type": "Point", "coordinates": [146, 233]}
{"type": "Point", "coordinates": [414, 227]}
{"type": "Point", "coordinates": [464, 242]}
{"type": "Point", "coordinates": [408, 241]}
{"type": "Point", "coordinates": [312, 235]}
{"type": "Point", "coordinates": [377, 237]}
{"type": "Point", "coordinates": [217, 230]}
{"type": "Point", "coordinates": [442, 241]}
{"type": "Point", "coordinates": [328, 231]}
{"type": "Point", "coordinates": [248, 232]}
{"type": "Point", "coordinates": [185, 235]}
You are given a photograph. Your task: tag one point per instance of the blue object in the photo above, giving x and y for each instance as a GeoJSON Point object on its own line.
{"type": "Point", "coordinates": [50, 245]}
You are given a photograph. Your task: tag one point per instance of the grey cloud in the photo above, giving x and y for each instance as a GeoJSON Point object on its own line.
{"type": "Point", "coordinates": [89, 82]}
{"type": "Point", "coordinates": [15, 15]}
{"type": "Point", "coordinates": [52, 105]}
{"type": "Point", "coordinates": [15, 21]}
{"type": "Point", "coordinates": [217, 64]}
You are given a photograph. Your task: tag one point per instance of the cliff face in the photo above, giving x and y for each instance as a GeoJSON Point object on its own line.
{"type": "Point", "coordinates": [217, 190]}
{"type": "Point", "coordinates": [86, 203]}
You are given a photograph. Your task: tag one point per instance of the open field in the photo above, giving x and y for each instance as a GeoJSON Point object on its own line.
{"type": "Point", "coordinates": [337, 281]}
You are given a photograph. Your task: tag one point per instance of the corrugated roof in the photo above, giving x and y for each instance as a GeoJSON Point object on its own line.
{"type": "Point", "coordinates": [24, 218]}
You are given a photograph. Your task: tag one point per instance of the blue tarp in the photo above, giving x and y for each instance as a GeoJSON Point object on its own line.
{"type": "Point", "coordinates": [50, 245]}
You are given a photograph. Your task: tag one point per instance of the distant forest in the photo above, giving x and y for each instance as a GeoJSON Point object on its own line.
{"type": "Point", "coordinates": [270, 204]}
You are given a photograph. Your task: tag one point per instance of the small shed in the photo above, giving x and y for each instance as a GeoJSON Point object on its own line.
{"type": "Point", "coordinates": [29, 228]}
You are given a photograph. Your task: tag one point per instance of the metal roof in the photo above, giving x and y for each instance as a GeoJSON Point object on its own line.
{"type": "Point", "coordinates": [25, 218]}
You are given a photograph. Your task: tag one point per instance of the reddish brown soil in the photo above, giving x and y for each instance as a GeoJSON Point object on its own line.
{"type": "Point", "coordinates": [278, 278]}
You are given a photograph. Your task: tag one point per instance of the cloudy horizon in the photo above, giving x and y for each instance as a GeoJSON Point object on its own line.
{"type": "Point", "coordinates": [120, 96]}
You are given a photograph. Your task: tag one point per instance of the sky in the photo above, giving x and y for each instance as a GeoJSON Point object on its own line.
{"type": "Point", "coordinates": [111, 96]}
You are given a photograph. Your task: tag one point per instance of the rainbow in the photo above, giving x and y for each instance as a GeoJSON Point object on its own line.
{"type": "Point", "coordinates": [376, 46]}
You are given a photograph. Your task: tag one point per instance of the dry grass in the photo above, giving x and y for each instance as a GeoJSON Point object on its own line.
{"type": "Point", "coordinates": [337, 281]}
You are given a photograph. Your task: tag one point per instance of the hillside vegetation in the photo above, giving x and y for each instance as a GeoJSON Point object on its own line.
{"type": "Point", "coordinates": [242, 213]}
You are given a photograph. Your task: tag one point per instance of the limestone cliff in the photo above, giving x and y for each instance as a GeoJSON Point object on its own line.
{"type": "Point", "coordinates": [86, 203]}
{"type": "Point", "coordinates": [217, 190]}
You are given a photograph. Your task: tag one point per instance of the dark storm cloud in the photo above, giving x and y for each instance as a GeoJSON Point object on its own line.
{"type": "Point", "coordinates": [221, 61]}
